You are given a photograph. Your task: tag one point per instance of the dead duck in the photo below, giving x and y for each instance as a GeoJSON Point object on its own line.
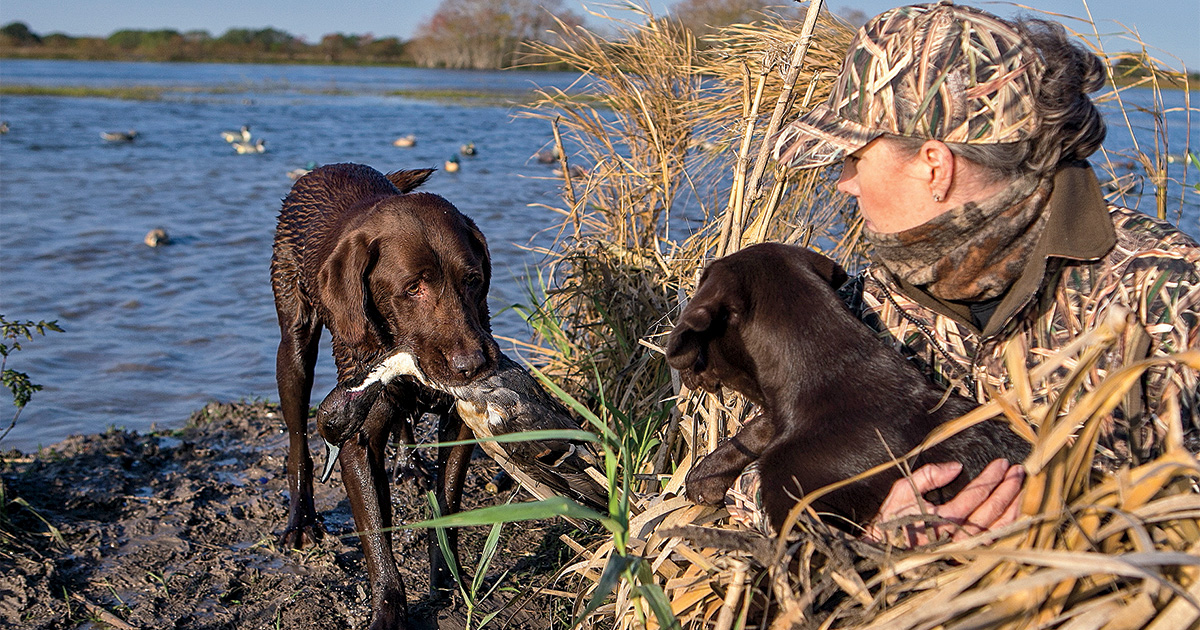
{"type": "Point", "coordinates": [405, 141]}
{"type": "Point", "coordinates": [119, 136]}
{"type": "Point", "coordinates": [259, 146]}
{"type": "Point", "coordinates": [157, 238]}
{"type": "Point", "coordinates": [242, 135]}
{"type": "Point", "coordinates": [509, 400]}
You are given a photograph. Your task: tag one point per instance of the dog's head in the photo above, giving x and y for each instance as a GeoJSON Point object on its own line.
{"type": "Point", "coordinates": [734, 321]}
{"type": "Point", "coordinates": [412, 274]}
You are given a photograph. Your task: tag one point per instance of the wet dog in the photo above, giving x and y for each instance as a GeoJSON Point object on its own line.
{"type": "Point", "coordinates": [385, 269]}
{"type": "Point", "coordinates": [767, 322]}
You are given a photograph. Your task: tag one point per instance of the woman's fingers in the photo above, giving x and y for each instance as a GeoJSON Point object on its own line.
{"type": "Point", "coordinates": [989, 500]}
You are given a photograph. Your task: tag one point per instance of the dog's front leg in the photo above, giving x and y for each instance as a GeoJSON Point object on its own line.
{"type": "Point", "coordinates": [294, 363]}
{"type": "Point", "coordinates": [708, 480]}
{"type": "Point", "coordinates": [370, 501]}
{"type": "Point", "coordinates": [451, 474]}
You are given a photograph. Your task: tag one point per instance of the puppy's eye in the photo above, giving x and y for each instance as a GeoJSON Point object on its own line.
{"type": "Point", "coordinates": [413, 290]}
{"type": "Point", "coordinates": [473, 280]}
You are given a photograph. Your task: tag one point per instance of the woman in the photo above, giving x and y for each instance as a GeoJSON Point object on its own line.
{"type": "Point", "coordinates": [963, 138]}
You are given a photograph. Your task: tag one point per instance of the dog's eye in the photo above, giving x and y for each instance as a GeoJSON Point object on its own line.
{"type": "Point", "coordinates": [473, 280]}
{"type": "Point", "coordinates": [413, 290]}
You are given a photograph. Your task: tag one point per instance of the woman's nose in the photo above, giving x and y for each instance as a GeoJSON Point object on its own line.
{"type": "Point", "coordinates": [847, 182]}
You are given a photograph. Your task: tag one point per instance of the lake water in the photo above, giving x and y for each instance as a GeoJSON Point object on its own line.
{"type": "Point", "coordinates": [152, 334]}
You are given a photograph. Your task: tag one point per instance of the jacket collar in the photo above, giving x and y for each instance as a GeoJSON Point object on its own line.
{"type": "Point", "coordinates": [1079, 228]}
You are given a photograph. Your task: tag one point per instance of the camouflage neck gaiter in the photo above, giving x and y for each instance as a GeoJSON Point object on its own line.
{"type": "Point", "coordinates": [973, 252]}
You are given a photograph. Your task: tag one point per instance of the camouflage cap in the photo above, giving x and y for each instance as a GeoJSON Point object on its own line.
{"type": "Point", "coordinates": [940, 71]}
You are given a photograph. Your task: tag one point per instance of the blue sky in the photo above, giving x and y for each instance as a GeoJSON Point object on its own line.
{"type": "Point", "coordinates": [1170, 27]}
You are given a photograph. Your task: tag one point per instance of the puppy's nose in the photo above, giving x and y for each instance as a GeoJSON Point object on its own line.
{"type": "Point", "coordinates": [467, 363]}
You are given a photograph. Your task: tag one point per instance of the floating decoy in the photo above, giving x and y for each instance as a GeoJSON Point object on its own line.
{"type": "Point", "coordinates": [575, 170]}
{"type": "Point", "coordinates": [119, 136]}
{"type": "Point", "coordinates": [242, 135]}
{"type": "Point", "coordinates": [467, 149]}
{"type": "Point", "coordinates": [406, 141]}
{"type": "Point", "coordinates": [156, 237]}
{"type": "Point", "coordinates": [549, 156]}
{"type": "Point", "coordinates": [259, 146]}
{"type": "Point", "coordinates": [3, 127]}
{"type": "Point", "coordinates": [297, 173]}
{"type": "Point", "coordinates": [452, 164]}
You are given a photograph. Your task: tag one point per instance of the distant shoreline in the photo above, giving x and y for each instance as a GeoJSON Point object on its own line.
{"type": "Point", "coordinates": [1166, 82]}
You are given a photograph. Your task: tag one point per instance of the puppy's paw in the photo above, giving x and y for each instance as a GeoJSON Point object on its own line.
{"type": "Point", "coordinates": [707, 489]}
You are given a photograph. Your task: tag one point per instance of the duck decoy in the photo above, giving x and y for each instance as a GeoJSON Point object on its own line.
{"type": "Point", "coordinates": [405, 141]}
{"type": "Point", "coordinates": [157, 237]}
{"type": "Point", "coordinates": [297, 173]}
{"type": "Point", "coordinates": [3, 127]}
{"type": "Point", "coordinates": [467, 149]}
{"type": "Point", "coordinates": [574, 170]}
{"type": "Point", "coordinates": [242, 135]}
{"type": "Point", "coordinates": [548, 156]}
{"type": "Point", "coordinates": [452, 165]}
{"type": "Point", "coordinates": [259, 146]}
{"type": "Point", "coordinates": [119, 136]}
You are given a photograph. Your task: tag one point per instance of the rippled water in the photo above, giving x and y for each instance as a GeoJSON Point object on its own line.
{"type": "Point", "coordinates": [153, 334]}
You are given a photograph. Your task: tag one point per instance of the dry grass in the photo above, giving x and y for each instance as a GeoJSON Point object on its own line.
{"type": "Point", "coordinates": [666, 146]}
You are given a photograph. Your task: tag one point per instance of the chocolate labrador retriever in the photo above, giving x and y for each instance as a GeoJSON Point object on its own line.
{"type": "Point", "coordinates": [768, 323]}
{"type": "Point", "coordinates": [385, 269]}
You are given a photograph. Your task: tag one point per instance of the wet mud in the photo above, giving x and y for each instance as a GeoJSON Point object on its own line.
{"type": "Point", "coordinates": [179, 530]}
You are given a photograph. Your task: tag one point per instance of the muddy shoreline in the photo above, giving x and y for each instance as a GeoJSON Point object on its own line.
{"type": "Point", "coordinates": [178, 529]}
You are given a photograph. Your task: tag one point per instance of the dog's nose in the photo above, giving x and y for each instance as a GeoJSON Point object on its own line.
{"type": "Point", "coordinates": [467, 363]}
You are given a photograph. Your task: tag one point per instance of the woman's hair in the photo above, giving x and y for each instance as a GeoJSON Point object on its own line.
{"type": "Point", "coordinates": [1070, 126]}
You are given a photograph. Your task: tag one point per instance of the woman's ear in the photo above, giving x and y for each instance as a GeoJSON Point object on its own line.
{"type": "Point", "coordinates": [938, 169]}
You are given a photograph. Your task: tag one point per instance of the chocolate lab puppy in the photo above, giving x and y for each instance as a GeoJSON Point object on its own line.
{"type": "Point", "coordinates": [767, 323]}
{"type": "Point", "coordinates": [385, 269]}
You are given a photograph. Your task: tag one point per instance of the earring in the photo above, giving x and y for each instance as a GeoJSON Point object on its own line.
{"type": "Point", "coordinates": [937, 197]}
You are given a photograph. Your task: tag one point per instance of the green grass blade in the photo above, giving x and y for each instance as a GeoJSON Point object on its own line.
{"type": "Point", "coordinates": [535, 510]}
{"type": "Point", "coordinates": [654, 595]}
{"type": "Point", "coordinates": [617, 564]}
{"type": "Point", "coordinates": [578, 435]}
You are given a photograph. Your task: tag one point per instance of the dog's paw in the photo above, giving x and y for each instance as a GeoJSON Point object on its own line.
{"type": "Point", "coordinates": [706, 490]}
{"type": "Point", "coordinates": [301, 532]}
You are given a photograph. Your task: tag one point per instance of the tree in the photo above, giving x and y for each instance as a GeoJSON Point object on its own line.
{"type": "Point", "coordinates": [484, 34]}
{"type": "Point", "coordinates": [18, 34]}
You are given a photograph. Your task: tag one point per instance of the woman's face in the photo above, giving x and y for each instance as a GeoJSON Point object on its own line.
{"type": "Point", "coordinates": [886, 180]}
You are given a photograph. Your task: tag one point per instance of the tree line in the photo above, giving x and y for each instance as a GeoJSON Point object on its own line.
{"type": "Point", "coordinates": [476, 34]}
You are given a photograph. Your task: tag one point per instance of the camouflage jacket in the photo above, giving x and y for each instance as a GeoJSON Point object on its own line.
{"type": "Point", "coordinates": [1091, 257]}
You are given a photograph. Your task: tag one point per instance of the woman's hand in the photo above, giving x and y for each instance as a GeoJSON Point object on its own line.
{"type": "Point", "coordinates": [988, 501]}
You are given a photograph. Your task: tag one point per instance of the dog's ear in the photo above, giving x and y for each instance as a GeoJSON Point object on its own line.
{"type": "Point", "coordinates": [827, 268]}
{"type": "Point", "coordinates": [342, 282]}
{"type": "Point", "coordinates": [478, 244]}
{"type": "Point", "coordinates": [685, 346]}
{"type": "Point", "coordinates": [407, 181]}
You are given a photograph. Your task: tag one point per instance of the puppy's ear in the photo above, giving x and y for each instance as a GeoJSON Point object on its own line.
{"type": "Point", "coordinates": [685, 346]}
{"type": "Point", "coordinates": [827, 269]}
{"type": "Point", "coordinates": [342, 288]}
{"type": "Point", "coordinates": [407, 181]}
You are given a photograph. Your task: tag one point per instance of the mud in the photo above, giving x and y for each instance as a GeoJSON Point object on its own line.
{"type": "Point", "coordinates": [178, 530]}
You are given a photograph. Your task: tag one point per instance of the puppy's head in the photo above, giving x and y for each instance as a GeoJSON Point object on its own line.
{"type": "Point", "coordinates": [413, 275]}
{"type": "Point", "coordinates": [736, 321]}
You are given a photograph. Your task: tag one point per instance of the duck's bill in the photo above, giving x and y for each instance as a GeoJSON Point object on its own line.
{"type": "Point", "coordinates": [331, 455]}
